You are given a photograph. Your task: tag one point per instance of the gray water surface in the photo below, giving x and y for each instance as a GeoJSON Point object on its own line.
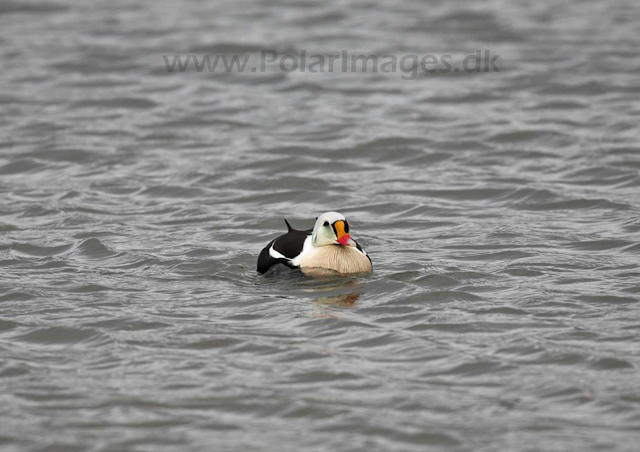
{"type": "Point", "coordinates": [500, 209]}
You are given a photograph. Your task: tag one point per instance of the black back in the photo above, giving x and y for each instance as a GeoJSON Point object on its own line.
{"type": "Point", "coordinates": [289, 245]}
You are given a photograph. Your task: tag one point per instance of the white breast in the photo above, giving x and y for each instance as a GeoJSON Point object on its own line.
{"type": "Point", "coordinates": [333, 258]}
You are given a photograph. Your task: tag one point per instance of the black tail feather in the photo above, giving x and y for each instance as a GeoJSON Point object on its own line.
{"type": "Point", "coordinates": [288, 225]}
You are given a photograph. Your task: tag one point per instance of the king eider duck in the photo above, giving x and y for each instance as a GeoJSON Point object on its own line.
{"type": "Point", "coordinates": [326, 249]}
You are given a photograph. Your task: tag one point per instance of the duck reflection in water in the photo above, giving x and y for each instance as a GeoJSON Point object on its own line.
{"type": "Point", "coordinates": [344, 300]}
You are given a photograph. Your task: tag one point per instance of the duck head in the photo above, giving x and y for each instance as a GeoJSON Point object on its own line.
{"type": "Point", "coordinates": [332, 228]}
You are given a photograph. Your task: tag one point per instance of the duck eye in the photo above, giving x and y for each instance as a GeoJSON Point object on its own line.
{"type": "Point", "coordinates": [326, 223]}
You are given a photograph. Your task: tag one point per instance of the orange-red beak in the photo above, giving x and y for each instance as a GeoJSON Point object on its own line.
{"type": "Point", "coordinates": [343, 238]}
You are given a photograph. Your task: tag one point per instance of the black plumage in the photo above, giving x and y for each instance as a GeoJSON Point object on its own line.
{"type": "Point", "coordinates": [289, 245]}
